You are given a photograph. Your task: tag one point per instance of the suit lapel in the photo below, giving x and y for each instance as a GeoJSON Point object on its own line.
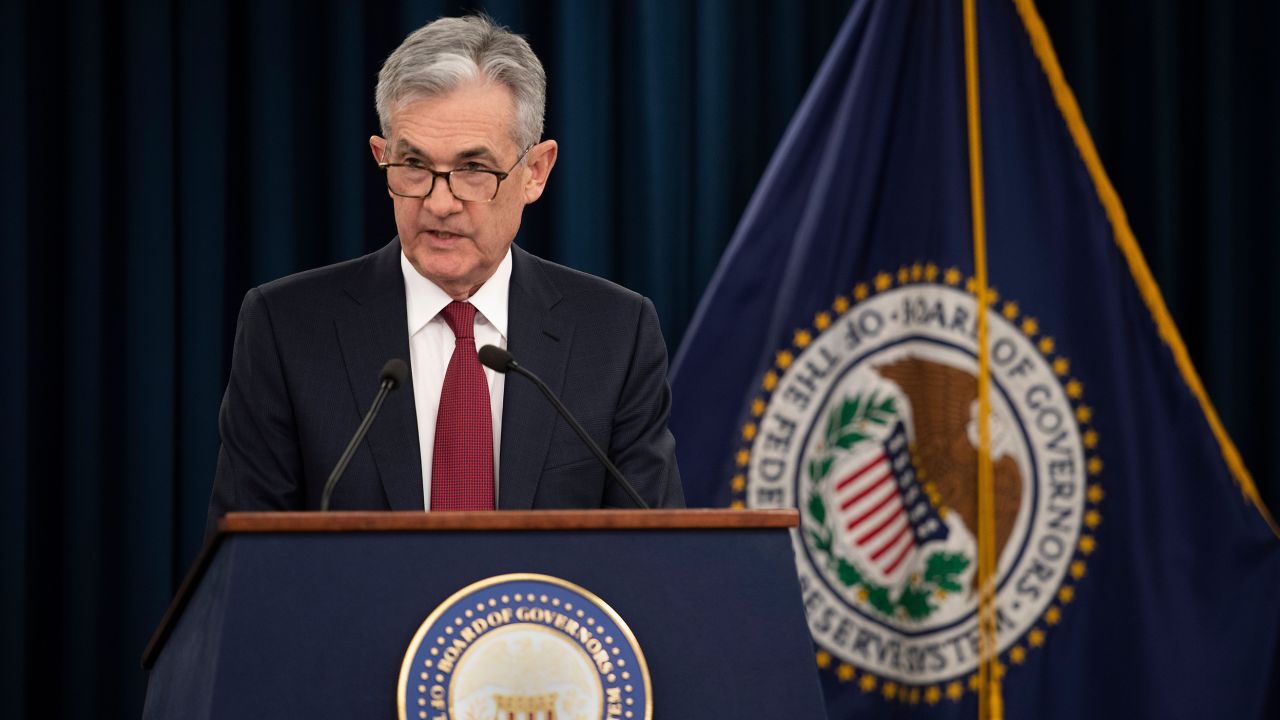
{"type": "Point", "coordinates": [540, 342]}
{"type": "Point", "coordinates": [374, 331]}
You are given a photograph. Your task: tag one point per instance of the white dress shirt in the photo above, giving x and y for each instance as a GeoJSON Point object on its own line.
{"type": "Point", "coordinates": [431, 345]}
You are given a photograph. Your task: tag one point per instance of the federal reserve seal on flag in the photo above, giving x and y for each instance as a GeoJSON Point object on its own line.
{"type": "Point", "coordinates": [867, 422]}
{"type": "Point", "coordinates": [524, 647]}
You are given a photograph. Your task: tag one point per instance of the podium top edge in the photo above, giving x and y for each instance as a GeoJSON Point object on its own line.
{"type": "Point", "coordinates": [687, 519]}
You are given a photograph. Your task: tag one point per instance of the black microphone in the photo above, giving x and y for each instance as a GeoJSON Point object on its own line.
{"type": "Point", "coordinates": [499, 360]}
{"type": "Point", "coordinates": [392, 376]}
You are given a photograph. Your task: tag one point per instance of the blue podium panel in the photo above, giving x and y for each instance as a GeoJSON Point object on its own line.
{"type": "Point", "coordinates": [316, 625]}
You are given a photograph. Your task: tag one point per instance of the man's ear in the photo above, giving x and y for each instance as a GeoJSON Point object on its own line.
{"type": "Point", "coordinates": [378, 145]}
{"type": "Point", "coordinates": [539, 161]}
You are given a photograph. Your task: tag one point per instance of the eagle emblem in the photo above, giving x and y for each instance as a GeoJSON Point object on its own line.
{"type": "Point", "coordinates": [868, 423]}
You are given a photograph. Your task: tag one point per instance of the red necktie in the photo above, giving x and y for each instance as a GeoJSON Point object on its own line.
{"type": "Point", "coordinates": [462, 464]}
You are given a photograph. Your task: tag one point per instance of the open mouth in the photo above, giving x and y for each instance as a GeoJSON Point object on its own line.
{"type": "Point", "coordinates": [442, 235]}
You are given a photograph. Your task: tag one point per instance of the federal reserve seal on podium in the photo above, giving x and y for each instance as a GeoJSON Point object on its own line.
{"type": "Point", "coordinates": [524, 647]}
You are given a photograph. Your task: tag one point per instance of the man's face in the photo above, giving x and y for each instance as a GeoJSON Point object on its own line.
{"type": "Point", "coordinates": [457, 245]}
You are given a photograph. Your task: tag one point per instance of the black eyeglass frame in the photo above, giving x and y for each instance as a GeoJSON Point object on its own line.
{"type": "Point", "coordinates": [448, 178]}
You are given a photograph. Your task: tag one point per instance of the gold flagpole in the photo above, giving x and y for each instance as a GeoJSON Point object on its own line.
{"type": "Point", "coordinates": [990, 704]}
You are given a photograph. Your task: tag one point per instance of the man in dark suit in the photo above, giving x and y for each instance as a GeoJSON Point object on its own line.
{"type": "Point", "coordinates": [461, 104]}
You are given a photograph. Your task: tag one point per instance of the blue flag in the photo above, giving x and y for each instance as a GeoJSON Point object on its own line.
{"type": "Point", "coordinates": [833, 366]}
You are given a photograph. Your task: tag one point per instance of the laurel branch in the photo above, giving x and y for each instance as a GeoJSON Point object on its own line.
{"type": "Point", "coordinates": [848, 425]}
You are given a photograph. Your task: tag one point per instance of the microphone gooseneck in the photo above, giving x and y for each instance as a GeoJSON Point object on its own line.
{"type": "Point", "coordinates": [393, 375]}
{"type": "Point", "coordinates": [500, 360]}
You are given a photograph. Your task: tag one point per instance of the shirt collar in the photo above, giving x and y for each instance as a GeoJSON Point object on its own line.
{"type": "Point", "coordinates": [424, 299]}
{"type": "Point", "coordinates": [491, 299]}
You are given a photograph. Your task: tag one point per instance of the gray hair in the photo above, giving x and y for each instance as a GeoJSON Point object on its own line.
{"type": "Point", "coordinates": [442, 55]}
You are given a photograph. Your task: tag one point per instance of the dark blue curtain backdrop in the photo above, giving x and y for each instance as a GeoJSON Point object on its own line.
{"type": "Point", "coordinates": [160, 158]}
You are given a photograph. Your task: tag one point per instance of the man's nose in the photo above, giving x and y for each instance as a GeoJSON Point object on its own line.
{"type": "Point", "coordinates": [441, 200]}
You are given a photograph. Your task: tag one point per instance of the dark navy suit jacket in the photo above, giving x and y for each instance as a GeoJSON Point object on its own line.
{"type": "Point", "coordinates": [309, 348]}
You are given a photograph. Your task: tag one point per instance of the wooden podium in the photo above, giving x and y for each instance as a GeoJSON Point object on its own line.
{"type": "Point", "coordinates": [310, 615]}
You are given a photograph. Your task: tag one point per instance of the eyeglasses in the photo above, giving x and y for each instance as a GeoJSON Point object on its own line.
{"type": "Point", "coordinates": [478, 185]}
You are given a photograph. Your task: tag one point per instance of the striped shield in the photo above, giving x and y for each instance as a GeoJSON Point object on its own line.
{"type": "Point", "coordinates": [883, 513]}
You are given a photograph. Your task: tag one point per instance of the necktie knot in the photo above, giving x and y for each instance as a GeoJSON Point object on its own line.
{"type": "Point", "coordinates": [461, 318]}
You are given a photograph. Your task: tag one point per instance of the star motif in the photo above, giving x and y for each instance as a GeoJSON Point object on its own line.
{"type": "Point", "coordinates": [1061, 366]}
{"type": "Point", "coordinates": [1052, 615]}
{"type": "Point", "coordinates": [971, 285]}
{"type": "Point", "coordinates": [770, 380]}
{"type": "Point", "coordinates": [783, 360]}
{"type": "Point", "coordinates": [930, 489]}
{"type": "Point", "coordinates": [1095, 493]}
{"type": "Point", "coordinates": [889, 690]}
{"type": "Point", "coordinates": [1017, 655]}
{"type": "Point", "coordinates": [867, 683]}
{"type": "Point", "coordinates": [1077, 569]}
{"type": "Point", "coordinates": [823, 658]}
{"type": "Point", "coordinates": [1084, 413]}
{"type": "Point", "coordinates": [913, 697]}
{"type": "Point", "coordinates": [822, 321]}
{"type": "Point", "coordinates": [974, 682]}
{"type": "Point", "coordinates": [1035, 638]}
{"type": "Point", "coordinates": [749, 432]}
{"type": "Point", "coordinates": [1030, 326]}
{"type": "Point", "coordinates": [904, 275]}
{"type": "Point", "coordinates": [737, 505]}
{"type": "Point", "coordinates": [932, 695]}
{"type": "Point", "coordinates": [1010, 310]}
{"type": "Point", "coordinates": [739, 482]}
{"type": "Point", "coordinates": [1046, 345]}
{"type": "Point", "coordinates": [842, 303]}
{"type": "Point", "coordinates": [951, 276]}
{"type": "Point", "coordinates": [1090, 439]}
{"type": "Point", "coordinates": [802, 338]}
{"type": "Point", "coordinates": [1066, 594]}
{"type": "Point", "coordinates": [930, 272]}
{"type": "Point", "coordinates": [1074, 389]}
{"type": "Point", "coordinates": [883, 281]}
{"type": "Point", "coordinates": [1094, 465]}
{"type": "Point", "coordinates": [742, 458]}
{"type": "Point", "coordinates": [1087, 544]}
{"type": "Point", "coordinates": [955, 691]}
{"type": "Point", "coordinates": [917, 272]}
{"type": "Point", "coordinates": [757, 407]}
{"type": "Point", "coordinates": [1093, 519]}
{"type": "Point", "coordinates": [844, 672]}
